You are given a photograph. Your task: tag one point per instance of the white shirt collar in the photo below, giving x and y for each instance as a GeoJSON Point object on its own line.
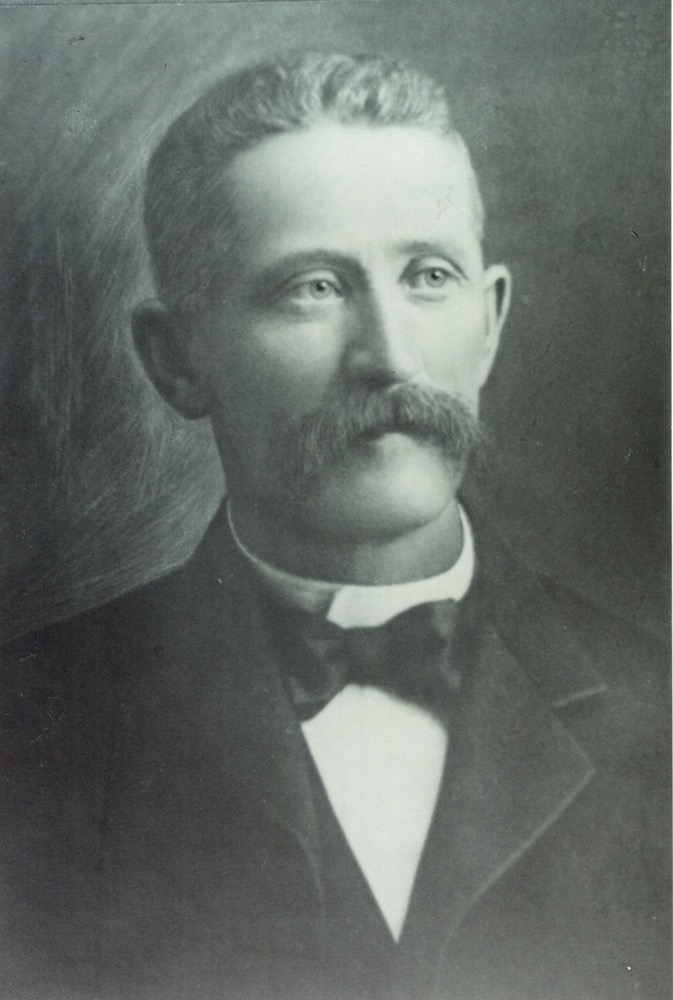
{"type": "Point", "coordinates": [356, 606]}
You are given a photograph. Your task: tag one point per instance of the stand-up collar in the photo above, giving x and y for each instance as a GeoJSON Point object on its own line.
{"type": "Point", "coordinates": [356, 606]}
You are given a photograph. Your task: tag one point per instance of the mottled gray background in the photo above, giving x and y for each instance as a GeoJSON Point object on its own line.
{"type": "Point", "coordinates": [565, 106]}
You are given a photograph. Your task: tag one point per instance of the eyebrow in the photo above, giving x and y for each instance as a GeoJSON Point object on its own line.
{"type": "Point", "coordinates": [435, 248]}
{"type": "Point", "coordinates": [428, 248]}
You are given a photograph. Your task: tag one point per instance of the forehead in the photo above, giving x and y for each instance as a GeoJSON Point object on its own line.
{"type": "Point", "coordinates": [352, 189]}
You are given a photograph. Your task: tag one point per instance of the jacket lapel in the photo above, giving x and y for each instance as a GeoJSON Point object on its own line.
{"type": "Point", "coordinates": [245, 713]}
{"type": "Point", "coordinates": [209, 844]}
{"type": "Point", "coordinates": [513, 768]}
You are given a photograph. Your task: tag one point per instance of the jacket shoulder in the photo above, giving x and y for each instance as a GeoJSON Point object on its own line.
{"type": "Point", "coordinates": [569, 644]}
{"type": "Point", "coordinates": [169, 600]}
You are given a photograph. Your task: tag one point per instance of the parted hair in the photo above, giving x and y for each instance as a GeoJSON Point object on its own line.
{"type": "Point", "coordinates": [188, 219]}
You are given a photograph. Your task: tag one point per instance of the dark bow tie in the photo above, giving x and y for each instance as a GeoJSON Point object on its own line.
{"type": "Point", "coordinates": [409, 656]}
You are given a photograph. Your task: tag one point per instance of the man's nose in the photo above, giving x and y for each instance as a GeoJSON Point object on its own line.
{"type": "Point", "coordinates": [381, 344]}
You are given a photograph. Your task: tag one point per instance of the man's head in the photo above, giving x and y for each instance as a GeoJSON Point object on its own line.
{"type": "Point", "coordinates": [315, 228]}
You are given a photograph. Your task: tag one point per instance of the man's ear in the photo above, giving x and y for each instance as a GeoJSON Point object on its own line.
{"type": "Point", "coordinates": [167, 360]}
{"type": "Point", "coordinates": [498, 293]}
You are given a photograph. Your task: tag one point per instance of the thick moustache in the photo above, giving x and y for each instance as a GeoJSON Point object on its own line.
{"type": "Point", "coordinates": [361, 414]}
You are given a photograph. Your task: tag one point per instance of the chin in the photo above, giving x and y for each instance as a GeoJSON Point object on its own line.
{"type": "Point", "coordinates": [365, 502]}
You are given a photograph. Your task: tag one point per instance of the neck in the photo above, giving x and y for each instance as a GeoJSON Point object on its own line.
{"type": "Point", "coordinates": [414, 555]}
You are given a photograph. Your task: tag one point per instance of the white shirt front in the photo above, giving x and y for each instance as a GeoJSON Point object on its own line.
{"type": "Point", "coordinates": [380, 758]}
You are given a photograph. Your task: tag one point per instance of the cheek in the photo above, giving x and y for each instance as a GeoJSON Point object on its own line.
{"type": "Point", "coordinates": [263, 375]}
{"type": "Point", "coordinates": [454, 354]}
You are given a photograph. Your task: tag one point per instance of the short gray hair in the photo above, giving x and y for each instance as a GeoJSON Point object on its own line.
{"type": "Point", "coordinates": [187, 218]}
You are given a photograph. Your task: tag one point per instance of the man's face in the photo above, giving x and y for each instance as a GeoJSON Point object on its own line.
{"type": "Point", "coordinates": [357, 270]}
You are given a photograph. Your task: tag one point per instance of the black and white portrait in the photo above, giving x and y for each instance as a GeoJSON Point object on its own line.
{"type": "Point", "coordinates": [333, 501]}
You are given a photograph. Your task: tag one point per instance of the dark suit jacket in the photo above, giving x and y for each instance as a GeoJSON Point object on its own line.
{"type": "Point", "coordinates": [165, 835]}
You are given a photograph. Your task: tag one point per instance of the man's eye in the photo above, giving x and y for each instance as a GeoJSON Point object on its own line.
{"type": "Point", "coordinates": [312, 290]}
{"type": "Point", "coordinates": [430, 278]}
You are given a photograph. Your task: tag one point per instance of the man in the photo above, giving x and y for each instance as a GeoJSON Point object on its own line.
{"type": "Point", "coordinates": [353, 748]}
